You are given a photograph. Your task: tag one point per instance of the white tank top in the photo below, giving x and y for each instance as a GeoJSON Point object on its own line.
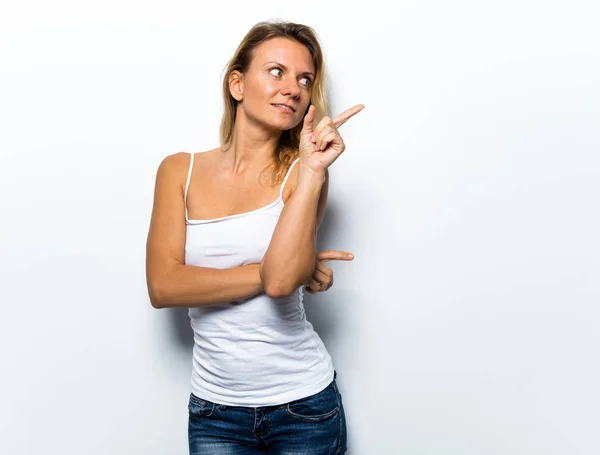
{"type": "Point", "coordinates": [257, 351]}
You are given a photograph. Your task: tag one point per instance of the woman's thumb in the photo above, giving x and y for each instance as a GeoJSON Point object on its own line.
{"type": "Point", "coordinates": [309, 119]}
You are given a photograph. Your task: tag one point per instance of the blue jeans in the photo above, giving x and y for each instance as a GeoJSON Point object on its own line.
{"type": "Point", "coordinates": [315, 425]}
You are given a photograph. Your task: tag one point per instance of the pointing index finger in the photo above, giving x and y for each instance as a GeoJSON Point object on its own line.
{"type": "Point", "coordinates": [332, 255]}
{"type": "Point", "coordinates": [340, 119]}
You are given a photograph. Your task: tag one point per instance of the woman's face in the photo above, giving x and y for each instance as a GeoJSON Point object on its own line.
{"type": "Point", "coordinates": [281, 72]}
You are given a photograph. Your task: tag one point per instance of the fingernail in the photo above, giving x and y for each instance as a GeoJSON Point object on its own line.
{"type": "Point", "coordinates": [312, 138]}
{"type": "Point", "coordinates": [351, 256]}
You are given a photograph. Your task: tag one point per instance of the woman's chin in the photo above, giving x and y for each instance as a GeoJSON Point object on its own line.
{"type": "Point", "coordinates": [283, 125]}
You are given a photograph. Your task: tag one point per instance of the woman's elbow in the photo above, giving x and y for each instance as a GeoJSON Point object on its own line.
{"type": "Point", "coordinates": [279, 283]}
{"type": "Point", "coordinates": [282, 288]}
{"type": "Point", "coordinates": [278, 292]}
{"type": "Point", "coordinates": [157, 294]}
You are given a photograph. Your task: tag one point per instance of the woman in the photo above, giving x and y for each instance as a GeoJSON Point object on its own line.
{"type": "Point", "coordinates": [236, 247]}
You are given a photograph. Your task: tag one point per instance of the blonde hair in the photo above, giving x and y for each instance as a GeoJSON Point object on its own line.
{"type": "Point", "coordinates": [287, 148]}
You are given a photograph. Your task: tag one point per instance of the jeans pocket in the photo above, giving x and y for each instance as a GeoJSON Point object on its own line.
{"type": "Point", "coordinates": [199, 407]}
{"type": "Point", "coordinates": [315, 408]}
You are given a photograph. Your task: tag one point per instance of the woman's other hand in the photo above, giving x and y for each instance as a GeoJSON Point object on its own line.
{"type": "Point", "coordinates": [322, 278]}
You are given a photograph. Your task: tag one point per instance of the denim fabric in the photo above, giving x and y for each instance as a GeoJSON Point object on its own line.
{"type": "Point", "coordinates": [314, 425]}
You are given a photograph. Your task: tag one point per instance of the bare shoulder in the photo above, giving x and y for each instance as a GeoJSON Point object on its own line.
{"type": "Point", "coordinates": [174, 165]}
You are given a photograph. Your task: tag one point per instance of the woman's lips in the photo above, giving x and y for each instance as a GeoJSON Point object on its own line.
{"type": "Point", "coordinates": [283, 108]}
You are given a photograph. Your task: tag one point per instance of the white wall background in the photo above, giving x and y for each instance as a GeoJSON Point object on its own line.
{"type": "Point", "coordinates": [468, 322]}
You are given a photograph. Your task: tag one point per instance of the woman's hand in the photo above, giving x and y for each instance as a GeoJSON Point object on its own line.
{"type": "Point", "coordinates": [321, 146]}
{"type": "Point", "coordinates": [322, 278]}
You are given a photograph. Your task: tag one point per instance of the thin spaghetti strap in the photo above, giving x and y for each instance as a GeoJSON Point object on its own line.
{"type": "Point", "coordinates": [188, 184]}
{"type": "Point", "coordinates": [286, 177]}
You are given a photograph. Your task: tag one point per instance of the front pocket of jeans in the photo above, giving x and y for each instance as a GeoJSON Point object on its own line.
{"type": "Point", "coordinates": [198, 407]}
{"type": "Point", "coordinates": [321, 406]}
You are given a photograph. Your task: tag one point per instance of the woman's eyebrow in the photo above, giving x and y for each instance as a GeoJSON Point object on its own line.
{"type": "Point", "coordinates": [285, 68]}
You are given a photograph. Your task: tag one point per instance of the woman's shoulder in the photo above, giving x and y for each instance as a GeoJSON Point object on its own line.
{"type": "Point", "coordinates": [174, 168]}
{"type": "Point", "coordinates": [179, 161]}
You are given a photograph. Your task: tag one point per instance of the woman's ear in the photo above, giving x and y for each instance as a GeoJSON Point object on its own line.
{"type": "Point", "coordinates": [236, 85]}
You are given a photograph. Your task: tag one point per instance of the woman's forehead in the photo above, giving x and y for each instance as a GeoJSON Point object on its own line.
{"type": "Point", "coordinates": [287, 52]}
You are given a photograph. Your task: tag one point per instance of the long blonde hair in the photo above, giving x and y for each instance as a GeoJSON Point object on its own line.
{"type": "Point", "coordinates": [287, 148]}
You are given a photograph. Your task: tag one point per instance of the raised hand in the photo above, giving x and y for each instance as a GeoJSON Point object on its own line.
{"type": "Point", "coordinates": [321, 146]}
{"type": "Point", "coordinates": [322, 278]}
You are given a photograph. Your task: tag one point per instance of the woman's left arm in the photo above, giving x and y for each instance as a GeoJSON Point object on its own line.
{"type": "Point", "coordinates": [291, 257]}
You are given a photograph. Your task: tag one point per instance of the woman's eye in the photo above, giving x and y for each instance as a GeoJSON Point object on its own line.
{"type": "Point", "coordinates": [306, 84]}
{"type": "Point", "coordinates": [308, 81]}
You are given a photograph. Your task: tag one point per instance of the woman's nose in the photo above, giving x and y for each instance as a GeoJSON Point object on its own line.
{"type": "Point", "coordinates": [291, 88]}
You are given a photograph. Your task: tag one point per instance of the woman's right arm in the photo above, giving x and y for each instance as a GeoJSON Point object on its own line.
{"type": "Point", "coordinates": [170, 282]}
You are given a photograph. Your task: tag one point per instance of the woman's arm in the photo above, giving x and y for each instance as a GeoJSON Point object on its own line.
{"type": "Point", "coordinates": [170, 282]}
{"type": "Point", "coordinates": [290, 260]}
